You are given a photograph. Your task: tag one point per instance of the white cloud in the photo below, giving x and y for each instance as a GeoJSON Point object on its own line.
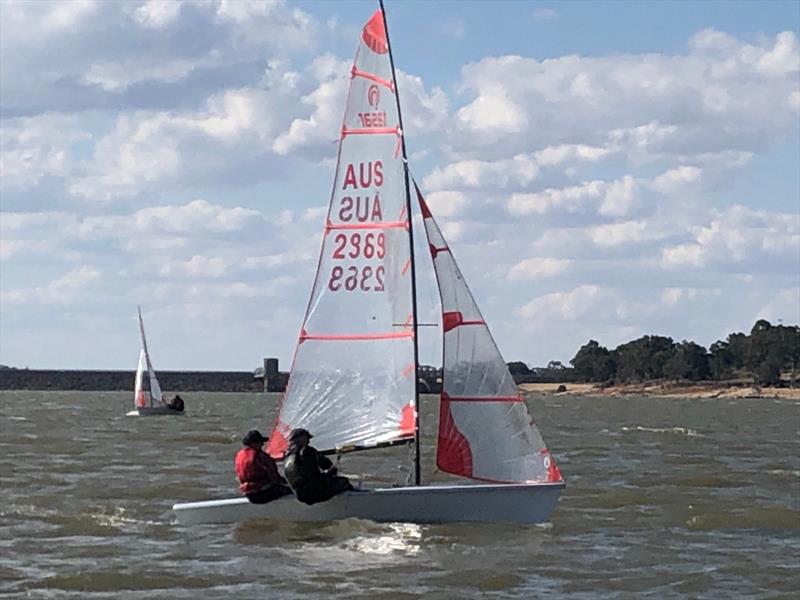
{"type": "Point", "coordinates": [455, 28]}
{"type": "Point", "coordinates": [535, 268]}
{"type": "Point", "coordinates": [569, 199]}
{"type": "Point", "coordinates": [197, 266]}
{"type": "Point", "coordinates": [738, 235]}
{"type": "Point", "coordinates": [742, 91]}
{"type": "Point", "coordinates": [618, 234]}
{"type": "Point", "coordinates": [327, 101]}
{"type": "Point", "coordinates": [677, 179]}
{"type": "Point", "coordinates": [62, 290]}
{"type": "Point", "coordinates": [517, 170]}
{"type": "Point", "coordinates": [146, 149]}
{"type": "Point", "coordinates": [620, 197]}
{"type": "Point", "coordinates": [32, 148]}
{"type": "Point", "coordinates": [10, 248]}
{"type": "Point", "coordinates": [118, 76]}
{"type": "Point", "coordinates": [555, 155]}
{"type": "Point", "coordinates": [562, 305]}
{"type": "Point", "coordinates": [157, 14]}
{"type": "Point", "coordinates": [544, 14]}
{"type": "Point", "coordinates": [446, 204]}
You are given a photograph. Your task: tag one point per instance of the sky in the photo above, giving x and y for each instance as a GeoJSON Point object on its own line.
{"type": "Point", "coordinates": [602, 170]}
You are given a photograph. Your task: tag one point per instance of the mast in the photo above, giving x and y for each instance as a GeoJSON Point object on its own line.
{"type": "Point", "coordinates": [417, 477]}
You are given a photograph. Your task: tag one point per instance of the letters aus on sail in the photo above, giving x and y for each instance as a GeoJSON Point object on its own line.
{"type": "Point", "coordinates": [353, 373]}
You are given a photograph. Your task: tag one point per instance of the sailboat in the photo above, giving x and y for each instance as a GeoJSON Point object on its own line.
{"type": "Point", "coordinates": [353, 380]}
{"type": "Point", "coordinates": [147, 396]}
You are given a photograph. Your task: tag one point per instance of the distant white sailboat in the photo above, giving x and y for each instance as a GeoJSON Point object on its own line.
{"type": "Point", "coordinates": [147, 396]}
{"type": "Point", "coordinates": [354, 373]}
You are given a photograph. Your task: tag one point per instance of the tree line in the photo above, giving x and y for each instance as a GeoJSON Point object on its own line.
{"type": "Point", "coordinates": [763, 355]}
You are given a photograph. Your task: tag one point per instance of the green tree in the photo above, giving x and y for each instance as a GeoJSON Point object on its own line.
{"type": "Point", "coordinates": [689, 361]}
{"type": "Point", "coordinates": [518, 368]}
{"type": "Point", "coordinates": [593, 362]}
{"type": "Point", "coordinates": [772, 348]}
{"type": "Point", "coordinates": [643, 358]}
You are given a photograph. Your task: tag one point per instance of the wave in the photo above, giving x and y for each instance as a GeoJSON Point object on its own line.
{"type": "Point", "coordinates": [688, 432]}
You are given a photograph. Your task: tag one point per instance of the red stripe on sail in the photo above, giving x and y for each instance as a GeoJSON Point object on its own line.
{"type": "Point", "coordinates": [347, 337]}
{"type": "Point", "coordinates": [354, 72]}
{"type": "Point", "coordinates": [485, 398]}
{"type": "Point", "coordinates": [408, 420]}
{"type": "Point", "coordinates": [368, 225]}
{"type": "Point", "coordinates": [374, 34]}
{"type": "Point", "coordinates": [453, 319]}
{"type": "Point", "coordinates": [453, 453]}
{"type": "Point", "coordinates": [278, 441]}
{"type": "Point", "coordinates": [423, 206]}
{"type": "Point", "coordinates": [407, 371]}
{"type": "Point", "coordinates": [434, 250]}
{"type": "Point", "coordinates": [370, 131]}
{"type": "Point", "coordinates": [405, 268]}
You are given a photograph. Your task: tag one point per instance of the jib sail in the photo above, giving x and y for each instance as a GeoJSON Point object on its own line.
{"type": "Point", "coordinates": [485, 430]}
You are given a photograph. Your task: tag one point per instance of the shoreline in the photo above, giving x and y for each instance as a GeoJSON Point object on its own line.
{"type": "Point", "coordinates": [662, 389]}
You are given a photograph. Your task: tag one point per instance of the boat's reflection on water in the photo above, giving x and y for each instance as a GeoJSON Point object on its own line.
{"type": "Point", "coordinates": [404, 538]}
{"type": "Point", "coordinates": [354, 535]}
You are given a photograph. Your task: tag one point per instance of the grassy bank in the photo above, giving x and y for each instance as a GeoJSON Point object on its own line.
{"type": "Point", "coordinates": [660, 388]}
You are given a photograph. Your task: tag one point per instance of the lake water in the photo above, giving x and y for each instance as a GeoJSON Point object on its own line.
{"type": "Point", "coordinates": [665, 498]}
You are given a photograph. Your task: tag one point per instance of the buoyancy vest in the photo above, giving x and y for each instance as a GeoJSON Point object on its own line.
{"type": "Point", "coordinates": [250, 471]}
{"type": "Point", "coordinates": [300, 467]}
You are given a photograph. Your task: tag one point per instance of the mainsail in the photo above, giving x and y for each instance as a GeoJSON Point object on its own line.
{"type": "Point", "coordinates": [352, 381]}
{"type": "Point", "coordinates": [485, 431]}
{"type": "Point", "coordinates": [145, 364]}
{"type": "Point", "coordinates": [139, 398]}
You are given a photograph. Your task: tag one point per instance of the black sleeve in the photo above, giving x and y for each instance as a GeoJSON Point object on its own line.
{"type": "Point", "coordinates": [316, 458]}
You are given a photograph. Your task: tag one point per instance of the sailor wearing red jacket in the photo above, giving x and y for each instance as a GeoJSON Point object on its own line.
{"type": "Point", "coordinates": [257, 471]}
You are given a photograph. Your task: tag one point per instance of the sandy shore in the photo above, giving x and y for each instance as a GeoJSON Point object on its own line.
{"type": "Point", "coordinates": [683, 390]}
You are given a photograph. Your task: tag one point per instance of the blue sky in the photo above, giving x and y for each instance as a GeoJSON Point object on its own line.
{"type": "Point", "coordinates": [602, 170]}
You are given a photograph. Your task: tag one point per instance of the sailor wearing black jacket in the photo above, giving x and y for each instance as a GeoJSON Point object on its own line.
{"type": "Point", "coordinates": [311, 475]}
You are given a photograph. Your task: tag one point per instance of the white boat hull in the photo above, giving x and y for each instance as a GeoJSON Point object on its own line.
{"type": "Point", "coordinates": [514, 503]}
{"type": "Point", "coordinates": [148, 411]}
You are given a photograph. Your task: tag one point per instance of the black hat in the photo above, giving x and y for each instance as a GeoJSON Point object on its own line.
{"type": "Point", "coordinates": [296, 433]}
{"type": "Point", "coordinates": [253, 437]}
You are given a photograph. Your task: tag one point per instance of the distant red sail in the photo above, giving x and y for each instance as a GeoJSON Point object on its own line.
{"type": "Point", "coordinates": [374, 34]}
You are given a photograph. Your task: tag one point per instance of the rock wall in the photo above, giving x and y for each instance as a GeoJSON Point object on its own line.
{"type": "Point", "coordinates": [171, 381]}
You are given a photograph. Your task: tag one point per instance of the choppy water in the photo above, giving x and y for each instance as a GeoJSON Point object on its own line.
{"type": "Point", "coordinates": [665, 498]}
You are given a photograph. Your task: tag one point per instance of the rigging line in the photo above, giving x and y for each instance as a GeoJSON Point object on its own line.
{"type": "Point", "coordinates": [417, 476]}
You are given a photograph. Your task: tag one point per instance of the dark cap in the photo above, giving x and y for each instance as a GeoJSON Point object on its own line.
{"type": "Point", "coordinates": [253, 437]}
{"type": "Point", "coordinates": [296, 433]}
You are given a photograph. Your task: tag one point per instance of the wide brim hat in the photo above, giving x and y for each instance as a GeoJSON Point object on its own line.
{"type": "Point", "coordinates": [296, 433]}
{"type": "Point", "coordinates": [254, 437]}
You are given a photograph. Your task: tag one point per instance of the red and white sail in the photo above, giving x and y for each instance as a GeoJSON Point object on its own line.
{"type": "Point", "coordinates": [485, 430]}
{"type": "Point", "coordinates": [352, 378]}
{"type": "Point", "coordinates": [141, 397]}
{"type": "Point", "coordinates": [145, 391]}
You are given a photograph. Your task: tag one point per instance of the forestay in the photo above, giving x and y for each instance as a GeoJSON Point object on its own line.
{"type": "Point", "coordinates": [485, 430]}
{"type": "Point", "coordinates": [352, 378]}
{"type": "Point", "coordinates": [145, 364]}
